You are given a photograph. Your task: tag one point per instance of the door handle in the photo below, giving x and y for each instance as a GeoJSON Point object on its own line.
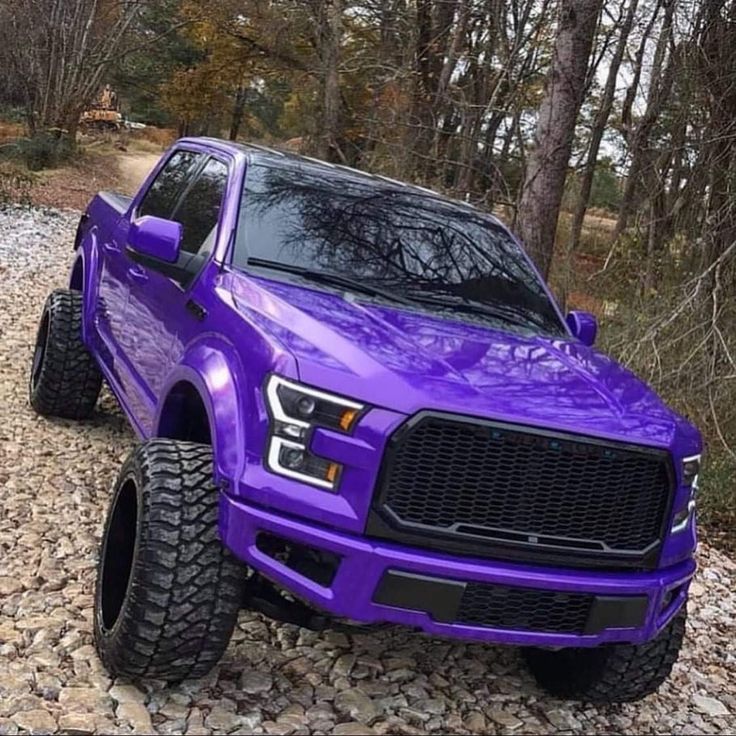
{"type": "Point", "coordinates": [137, 275]}
{"type": "Point", "coordinates": [110, 248]}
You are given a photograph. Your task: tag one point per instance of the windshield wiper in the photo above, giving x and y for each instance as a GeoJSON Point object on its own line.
{"type": "Point", "coordinates": [331, 279]}
{"type": "Point", "coordinates": [457, 303]}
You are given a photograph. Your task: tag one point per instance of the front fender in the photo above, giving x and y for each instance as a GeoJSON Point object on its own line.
{"type": "Point", "coordinates": [213, 369]}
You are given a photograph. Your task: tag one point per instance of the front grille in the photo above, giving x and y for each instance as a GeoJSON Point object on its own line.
{"type": "Point", "coordinates": [524, 609]}
{"type": "Point", "coordinates": [482, 486]}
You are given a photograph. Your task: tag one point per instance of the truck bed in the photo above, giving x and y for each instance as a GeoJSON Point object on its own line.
{"type": "Point", "coordinates": [117, 201]}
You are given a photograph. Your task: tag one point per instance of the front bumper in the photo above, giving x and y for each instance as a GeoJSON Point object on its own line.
{"type": "Point", "coordinates": [371, 571]}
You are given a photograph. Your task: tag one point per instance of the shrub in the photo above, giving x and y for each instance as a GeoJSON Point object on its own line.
{"type": "Point", "coordinates": [45, 151]}
{"type": "Point", "coordinates": [15, 187]}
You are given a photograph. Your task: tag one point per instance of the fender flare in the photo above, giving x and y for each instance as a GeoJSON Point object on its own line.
{"type": "Point", "coordinates": [86, 259]}
{"type": "Point", "coordinates": [208, 368]}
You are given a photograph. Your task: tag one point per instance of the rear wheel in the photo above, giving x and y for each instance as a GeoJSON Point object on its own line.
{"type": "Point", "coordinates": [65, 380]}
{"type": "Point", "coordinates": [618, 673]}
{"type": "Point", "coordinates": [168, 592]}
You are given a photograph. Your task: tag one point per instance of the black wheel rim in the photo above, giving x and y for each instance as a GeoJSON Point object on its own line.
{"type": "Point", "coordinates": [39, 353]}
{"type": "Point", "coordinates": [118, 555]}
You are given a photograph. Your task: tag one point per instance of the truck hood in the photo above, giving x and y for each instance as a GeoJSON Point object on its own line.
{"type": "Point", "coordinates": [406, 361]}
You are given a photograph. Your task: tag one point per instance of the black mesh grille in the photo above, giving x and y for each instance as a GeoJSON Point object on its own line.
{"type": "Point", "coordinates": [463, 479]}
{"type": "Point", "coordinates": [501, 607]}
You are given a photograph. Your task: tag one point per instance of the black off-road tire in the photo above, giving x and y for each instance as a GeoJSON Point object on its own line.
{"type": "Point", "coordinates": [619, 673]}
{"type": "Point", "coordinates": [65, 380]}
{"type": "Point", "coordinates": [168, 592]}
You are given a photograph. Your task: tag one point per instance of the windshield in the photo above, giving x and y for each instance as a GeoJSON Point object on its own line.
{"type": "Point", "coordinates": [435, 253]}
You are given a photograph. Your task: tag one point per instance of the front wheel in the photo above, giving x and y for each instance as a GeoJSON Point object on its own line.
{"type": "Point", "coordinates": [168, 592]}
{"type": "Point", "coordinates": [618, 673]}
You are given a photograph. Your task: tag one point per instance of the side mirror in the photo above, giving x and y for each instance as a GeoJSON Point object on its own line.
{"type": "Point", "coordinates": [156, 238]}
{"type": "Point", "coordinates": [584, 326]}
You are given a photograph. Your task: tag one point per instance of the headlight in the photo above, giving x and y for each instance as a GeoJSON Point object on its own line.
{"type": "Point", "coordinates": [294, 411]}
{"type": "Point", "coordinates": [690, 473]}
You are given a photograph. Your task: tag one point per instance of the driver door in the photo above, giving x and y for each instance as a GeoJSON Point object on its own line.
{"type": "Point", "coordinates": [159, 318]}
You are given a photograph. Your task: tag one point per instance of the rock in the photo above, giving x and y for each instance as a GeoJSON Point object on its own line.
{"type": "Point", "coordinates": [433, 706]}
{"type": "Point", "coordinates": [696, 590]}
{"type": "Point", "coordinates": [221, 720]}
{"type": "Point", "coordinates": [344, 665]}
{"type": "Point", "coordinates": [36, 722]}
{"type": "Point", "coordinates": [126, 694]}
{"type": "Point", "coordinates": [710, 706]}
{"type": "Point", "coordinates": [137, 715]}
{"type": "Point", "coordinates": [476, 723]}
{"type": "Point", "coordinates": [12, 684]}
{"type": "Point", "coordinates": [254, 682]}
{"type": "Point", "coordinates": [8, 727]}
{"type": "Point", "coordinates": [78, 723]}
{"type": "Point", "coordinates": [356, 705]}
{"type": "Point", "coordinates": [277, 729]}
{"type": "Point", "coordinates": [352, 729]}
{"type": "Point", "coordinates": [84, 699]}
{"type": "Point", "coordinates": [560, 719]}
{"type": "Point", "coordinates": [8, 586]}
{"type": "Point", "coordinates": [506, 719]}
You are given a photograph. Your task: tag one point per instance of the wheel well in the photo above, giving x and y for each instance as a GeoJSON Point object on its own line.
{"type": "Point", "coordinates": [184, 416]}
{"type": "Point", "coordinates": [76, 281]}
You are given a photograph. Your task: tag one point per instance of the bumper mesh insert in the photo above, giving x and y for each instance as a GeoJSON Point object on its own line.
{"type": "Point", "coordinates": [526, 609]}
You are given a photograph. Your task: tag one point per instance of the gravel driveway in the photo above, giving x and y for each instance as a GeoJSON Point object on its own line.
{"type": "Point", "coordinates": [55, 478]}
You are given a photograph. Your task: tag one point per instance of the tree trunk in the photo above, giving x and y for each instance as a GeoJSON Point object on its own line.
{"type": "Point", "coordinates": [544, 182]}
{"type": "Point", "coordinates": [329, 37]}
{"type": "Point", "coordinates": [661, 79]}
{"type": "Point", "coordinates": [238, 111]}
{"type": "Point", "coordinates": [599, 127]}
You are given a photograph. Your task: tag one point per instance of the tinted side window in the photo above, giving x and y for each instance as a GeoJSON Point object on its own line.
{"type": "Point", "coordinates": [160, 199]}
{"type": "Point", "coordinates": [199, 209]}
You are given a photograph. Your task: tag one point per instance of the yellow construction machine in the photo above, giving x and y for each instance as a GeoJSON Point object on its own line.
{"type": "Point", "coordinates": [104, 112]}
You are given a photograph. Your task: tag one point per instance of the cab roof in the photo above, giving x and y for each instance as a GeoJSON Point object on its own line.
{"type": "Point", "coordinates": [255, 154]}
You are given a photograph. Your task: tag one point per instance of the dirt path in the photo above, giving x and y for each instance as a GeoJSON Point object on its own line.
{"type": "Point", "coordinates": [134, 168]}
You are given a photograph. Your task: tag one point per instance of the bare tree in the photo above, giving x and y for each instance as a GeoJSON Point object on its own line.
{"type": "Point", "coordinates": [638, 134]}
{"type": "Point", "coordinates": [328, 24]}
{"type": "Point", "coordinates": [600, 122]}
{"type": "Point", "coordinates": [58, 52]}
{"type": "Point", "coordinates": [541, 194]}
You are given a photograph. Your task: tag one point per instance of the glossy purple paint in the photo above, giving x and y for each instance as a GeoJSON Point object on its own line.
{"type": "Point", "coordinates": [156, 237]}
{"type": "Point", "coordinates": [149, 344]}
{"type": "Point", "coordinates": [584, 326]}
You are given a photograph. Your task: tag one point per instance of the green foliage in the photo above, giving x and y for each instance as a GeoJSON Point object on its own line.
{"type": "Point", "coordinates": [45, 151]}
{"type": "Point", "coordinates": [717, 498]}
{"type": "Point", "coordinates": [161, 48]}
{"type": "Point", "coordinates": [606, 190]}
{"type": "Point", "coordinates": [12, 114]}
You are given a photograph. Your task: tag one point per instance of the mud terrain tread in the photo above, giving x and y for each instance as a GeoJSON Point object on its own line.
{"type": "Point", "coordinates": [620, 673]}
{"type": "Point", "coordinates": [69, 381]}
{"type": "Point", "coordinates": [186, 588]}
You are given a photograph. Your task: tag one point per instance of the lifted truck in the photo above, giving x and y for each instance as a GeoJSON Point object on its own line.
{"type": "Point", "coordinates": [359, 403]}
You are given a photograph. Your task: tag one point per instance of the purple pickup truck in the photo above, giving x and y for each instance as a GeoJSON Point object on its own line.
{"type": "Point", "coordinates": [359, 405]}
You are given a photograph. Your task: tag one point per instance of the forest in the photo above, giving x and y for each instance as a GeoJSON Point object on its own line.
{"type": "Point", "coordinates": [602, 133]}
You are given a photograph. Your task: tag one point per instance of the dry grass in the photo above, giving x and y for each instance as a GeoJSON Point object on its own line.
{"type": "Point", "coordinates": [161, 137]}
{"type": "Point", "coordinates": [10, 131]}
{"type": "Point", "coordinates": [74, 186]}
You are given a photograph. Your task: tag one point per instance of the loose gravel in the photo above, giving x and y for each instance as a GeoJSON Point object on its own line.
{"type": "Point", "coordinates": [55, 480]}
